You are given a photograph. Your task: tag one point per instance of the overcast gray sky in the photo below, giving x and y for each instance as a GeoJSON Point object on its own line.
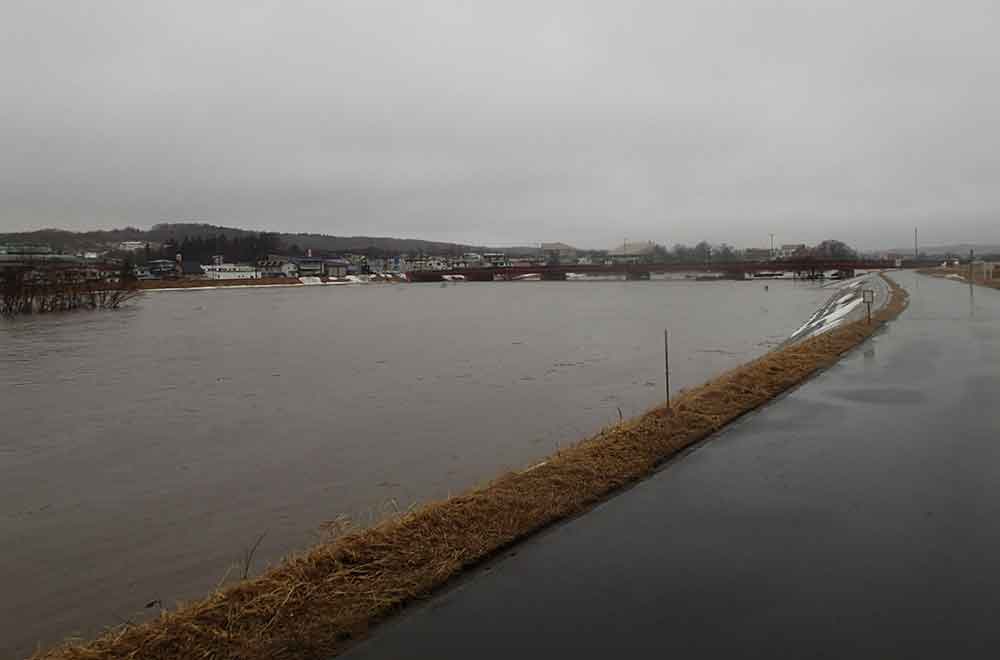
{"type": "Point", "coordinates": [507, 122]}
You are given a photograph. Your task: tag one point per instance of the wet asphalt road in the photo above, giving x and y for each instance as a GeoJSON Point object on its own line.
{"type": "Point", "coordinates": [858, 516]}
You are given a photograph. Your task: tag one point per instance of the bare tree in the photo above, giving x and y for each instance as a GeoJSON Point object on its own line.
{"type": "Point", "coordinates": [28, 291]}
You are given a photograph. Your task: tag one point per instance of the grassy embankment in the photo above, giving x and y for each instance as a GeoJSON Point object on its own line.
{"type": "Point", "coordinates": [314, 603]}
{"type": "Point", "coordinates": [962, 273]}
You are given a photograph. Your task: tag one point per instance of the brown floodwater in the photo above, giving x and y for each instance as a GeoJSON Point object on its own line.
{"type": "Point", "coordinates": [142, 450]}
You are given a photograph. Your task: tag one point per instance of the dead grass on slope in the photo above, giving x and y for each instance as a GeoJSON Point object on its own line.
{"type": "Point", "coordinates": [314, 603]}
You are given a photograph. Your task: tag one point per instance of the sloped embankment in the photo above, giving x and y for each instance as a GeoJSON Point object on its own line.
{"type": "Point", "coordinates": [844, 306]}
{"type": "Point", "coordinates": [314, 603]}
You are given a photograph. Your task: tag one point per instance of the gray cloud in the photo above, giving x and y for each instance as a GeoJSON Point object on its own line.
{"type": "Point", "coordinates": [507, 122]}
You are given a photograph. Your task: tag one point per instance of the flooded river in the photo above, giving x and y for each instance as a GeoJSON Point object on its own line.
{"type": "Point", "coordinates": [142, 450]}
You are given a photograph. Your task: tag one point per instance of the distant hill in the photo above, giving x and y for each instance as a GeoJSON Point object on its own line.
{"type": "Point", "coordinates": [102, 240]}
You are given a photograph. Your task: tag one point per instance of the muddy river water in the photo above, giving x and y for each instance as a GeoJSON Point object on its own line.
{"type": "Point", "coordinates": [142, 450]}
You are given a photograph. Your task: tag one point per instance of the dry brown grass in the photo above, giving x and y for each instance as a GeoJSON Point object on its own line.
{"type": "Point", "coordinates": [314, 603]}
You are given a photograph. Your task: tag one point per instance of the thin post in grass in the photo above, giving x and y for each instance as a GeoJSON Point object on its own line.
{"type": "Point", "coordinates": [666, 364]}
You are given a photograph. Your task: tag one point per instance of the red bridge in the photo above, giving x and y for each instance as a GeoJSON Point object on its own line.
{"type": "Point", "coordinates": [734, 270]}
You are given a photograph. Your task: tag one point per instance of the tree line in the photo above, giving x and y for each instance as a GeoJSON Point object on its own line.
{"type": "Point", "coordinates": [724, 253]}
{"type": "Point", "coordinates": [202, 249]}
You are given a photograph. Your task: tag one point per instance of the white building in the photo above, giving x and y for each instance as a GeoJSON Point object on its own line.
{"type": "Point", "coordinates": [131, 246]}
{"type": "Point", "coordinates": [231, 272]}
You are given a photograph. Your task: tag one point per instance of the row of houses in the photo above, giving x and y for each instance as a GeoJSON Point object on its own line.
{"type": "Point", "coordinates": [274, 265]}
{"type": "Point", "coordinates": [270, 266]}
{"type": "Point", "coordinates": [549, 254]}
{"type": "Point", "coordinates": [285, 266]}
{"type": "Point", "coordinates": [563, 254]}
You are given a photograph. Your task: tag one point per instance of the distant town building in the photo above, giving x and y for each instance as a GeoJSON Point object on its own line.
{"type": "Point", "coordinates": [131, 246]}
{"type": "Point", "coordinates": [377, 264]}
{"type": "Point", "coordinates": [161, 268]}
{"type": "Point", "coordinates": [496, 259]}
{"type": "Point", "coordinates": [790, 250]}
{"type": "Point", "coordinates": [32, 256]}
{"type": "Point", "coordinates": [337, 267]}
{"type": "Point", "coordinates": [559, 253]}
{"type": "Point", "coordinates": [26, 249]}
{"type": "Point", "coordinates": [430, 263]}
{"type": "Point", "coordinates": [309, 266]}
{"type": "Point", "coordinates": [274, 265]}
{"type": "Point", "coordinates": [395, 264]}
{"type": "Point", "coordinates": [399, 264]}
{"type": "Point", "coordinates": [231, 272]}
{"type": "Point", "coordinates": [631, 252]}
{"type": "Point", "coordinates": [356, 259]}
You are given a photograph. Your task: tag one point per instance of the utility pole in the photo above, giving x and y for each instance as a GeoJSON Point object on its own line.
{"type": "Point", "coordinates": [916, 254]}
{"type": "Point", "coordinates": [971, 258]}
{"type": "Point", "coordinates": [772, 246]}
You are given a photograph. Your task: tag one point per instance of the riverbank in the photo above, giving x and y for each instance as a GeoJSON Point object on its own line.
{"type": "Point", "coordinates": [261, 282]}
{"type": "Point", "coordinates": [961, 274]}
{"type": "Point", "coordinates": [160, 285]}
{"type": "Point", "coordinates": [317, 601]}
